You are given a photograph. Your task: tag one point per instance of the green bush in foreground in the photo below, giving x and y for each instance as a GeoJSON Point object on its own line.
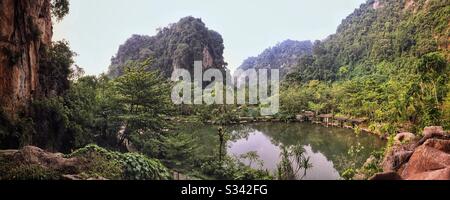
{"type": "Point", "coordinates": [232, 169]}
{"type": "Point", "coordinates": [128, 166]}
{"type": "Point", "coordinates": [133, 166]}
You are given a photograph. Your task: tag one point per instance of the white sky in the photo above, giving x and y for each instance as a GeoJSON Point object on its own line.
{"type": "Point", "coordinates": [96, 28]}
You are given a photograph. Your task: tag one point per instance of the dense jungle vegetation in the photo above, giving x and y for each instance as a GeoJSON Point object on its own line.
{"type": "Point", "coordinates": [389, 65]}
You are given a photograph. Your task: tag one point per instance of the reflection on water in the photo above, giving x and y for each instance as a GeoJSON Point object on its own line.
{"type": "Point", "coordinates": [257, 141]}
{"type": "Point", "coordinates": [327, 148]}
{"type": "Point", "coordinates": [322, 168]}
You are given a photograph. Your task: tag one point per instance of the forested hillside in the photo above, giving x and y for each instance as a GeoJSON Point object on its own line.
{"type": "Point", "coordinates": [388, 62]}
{"type": "Point", "coordinates": [379, 31]}
{"type": "Point", "coordinates": [175, 46]}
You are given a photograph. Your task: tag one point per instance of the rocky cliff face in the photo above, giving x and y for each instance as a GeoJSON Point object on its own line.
{"type": "Point", "coordinates": [175, 46]}
{"type": "Point", "coordinates": [26, 29]}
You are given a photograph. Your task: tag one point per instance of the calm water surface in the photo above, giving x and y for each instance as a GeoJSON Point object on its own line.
{"type": "Point", "coordinates": [327, 147]}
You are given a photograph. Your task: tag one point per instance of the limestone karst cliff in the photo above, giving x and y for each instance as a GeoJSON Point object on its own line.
{"type": "Point", "coordinates": [175, 46]}
{"type": "Point", "coordinates": [26, 30]}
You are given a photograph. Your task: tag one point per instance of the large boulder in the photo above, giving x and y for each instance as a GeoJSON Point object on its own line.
{"type": "Point", "coordinates": [430, 161]}
{"type": "Point", "coordinates": [34, 163]}
{"type": "Point", "coordinates": [404, 137]}
{"type": "Point", "coordinates": [427, 159]}
{"type": "Point", "coordinates": [396, 158]}
{"type": "Point", "coordinates": [35, 156]}
{"type": "Point", "coordinates": [439, 144]}
{"type": "Point", "coordinates": [433, 131]}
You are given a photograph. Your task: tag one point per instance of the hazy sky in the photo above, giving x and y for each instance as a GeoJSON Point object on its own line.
{"type": "Point", "coordinates": [96, 28]}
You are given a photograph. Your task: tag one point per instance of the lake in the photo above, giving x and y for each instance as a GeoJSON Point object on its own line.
{"type": "Point", "coordinates": [327, 147]}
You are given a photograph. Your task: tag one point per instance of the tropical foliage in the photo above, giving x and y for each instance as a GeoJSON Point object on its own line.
{"type": "Point", "coordinates": [388, 64]}
{"type": "Point", "coordinates": [175, 46]}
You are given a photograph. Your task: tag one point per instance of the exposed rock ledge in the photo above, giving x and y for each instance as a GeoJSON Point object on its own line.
{"type": "Point", "coordinates": [424, 159]}
{"type": "Point", "coordinates": [34, 156]}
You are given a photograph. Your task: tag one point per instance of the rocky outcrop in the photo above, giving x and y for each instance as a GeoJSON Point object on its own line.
{"type": "Point", "coordinates": [396, 158]}
{"type": "Point", "coordinates": [425, 159]}
{"type": "Point", "coordinates": [404, 137]}
{"type": "Point", "coordinates": [432, 131]}
{"type": "Point", "coordinates": [208, 60]}
{"type": "Point", "coordinates": [26, 28]}
{"type": "Point", "coordinates": [52, 163]}
{"type": "Point", "coordinates": [404, 145]}
{"type": "Point", "coordinates": [31, 155]}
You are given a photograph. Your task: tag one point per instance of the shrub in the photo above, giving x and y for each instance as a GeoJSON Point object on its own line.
{"type": "Point", "coordinates": [139, 167]}
{"type": "Point", "coordinates": [32, 172]}
{"type": "Point", "coordinates": [372, 165]}
{"type": "Point", "coordinates": [8, 136]}
{"type": "Point", "coordinates": [348, 174]}
{"type": "Point", "coordinates": [99, 166]}
{"type": "Point", "coordinates": [133, 166]}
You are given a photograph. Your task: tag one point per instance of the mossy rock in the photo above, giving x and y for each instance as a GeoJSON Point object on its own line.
{"type": "Point", "coordinates": [13, 170]}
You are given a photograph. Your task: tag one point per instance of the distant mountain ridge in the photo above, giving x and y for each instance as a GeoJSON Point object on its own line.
{"type": "Point", "coordinates": [283, 56]}
{"type": "Point", "coordinates": [379, 31]}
